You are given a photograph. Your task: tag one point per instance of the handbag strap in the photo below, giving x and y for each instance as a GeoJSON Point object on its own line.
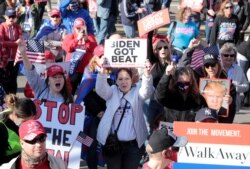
{"type": "Point", "coordinates": [123, 112]}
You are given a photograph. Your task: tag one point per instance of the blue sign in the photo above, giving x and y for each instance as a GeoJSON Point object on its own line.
{"type": "Point", "coordinates": [205, 166]}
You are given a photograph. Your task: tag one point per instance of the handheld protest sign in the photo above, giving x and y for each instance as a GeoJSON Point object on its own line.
{"type": "Point", "coordinates": [214, 92]}
{"type": "Point", "coordinates": [195, 5]}
{"type": "Point", "coordinates": [125, 53]}
{"type": "Point", "coordinates": [214, 143]}
{"type": "Point", "coordinates": [153, 21]}
{"type": "Point", "coordinates": [62, 122]}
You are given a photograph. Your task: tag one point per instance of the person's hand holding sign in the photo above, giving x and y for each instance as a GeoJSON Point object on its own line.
{"type": "Point", "coordinates": [227, 99]}
{"type": "Point", "coordinates": [148, 68]}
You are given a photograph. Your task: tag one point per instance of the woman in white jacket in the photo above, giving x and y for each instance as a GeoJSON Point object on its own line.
{"type": "Point", "coordinates": [128, 97]}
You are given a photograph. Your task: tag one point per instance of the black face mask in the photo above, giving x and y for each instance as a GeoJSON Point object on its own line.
{"type": "Point", "coordinates": [183, 87]}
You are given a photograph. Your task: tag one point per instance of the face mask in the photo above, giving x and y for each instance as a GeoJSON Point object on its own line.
{"type": "Point", "coordinates": [183, 87]}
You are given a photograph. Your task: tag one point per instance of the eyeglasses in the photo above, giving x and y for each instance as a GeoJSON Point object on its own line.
{"type": "Point", "coordinates": [165, 47]}
{"type": "Point", "coordinates": [227, 7]}
{"type": "Point", "coordinates": [55, 16]}
{"type": "Point", "coordinates": [228, 55]}
{"type": "Point", "coordinates": [39, 139]}
{"type": "Point", "coordinates": [212, 65]}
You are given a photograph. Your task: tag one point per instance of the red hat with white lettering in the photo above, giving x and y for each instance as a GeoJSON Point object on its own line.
{"type": "Point", "coordinates": [55, 69]}
{"type": "Point", "coordinates": [31, 129]}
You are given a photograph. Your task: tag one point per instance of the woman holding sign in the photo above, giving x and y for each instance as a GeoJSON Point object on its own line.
{"type": "Point", "coordinates": [123, 118]}
{"type": "Point", "coordinates": [53, 88]}
{"type": "Point", "coordinates": [212, 69]}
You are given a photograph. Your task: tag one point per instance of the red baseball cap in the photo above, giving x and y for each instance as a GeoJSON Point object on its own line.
{"type": "Point", "coordinates": [99, 50]}
{"type": "Point", "coordinates": [79, 22]}
{"type": "Point", "coordinates": [54, 12]}
{"type": "Point", "coordinates": [31, 129]}
{"type": "Point", "coordinates": [55, 69]}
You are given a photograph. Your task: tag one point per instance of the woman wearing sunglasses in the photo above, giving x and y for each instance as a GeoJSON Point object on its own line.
{"type": "Point", "coordinates": [178, 92]}
{"type": "Point", "coordinates": [226, 25]}
{"type": "Point", "coordinates": [234, 72]}
{"type": "Point", "coordinates": [212, 69]}
{"type": "Point", "coordinates": [17, 110]}
{"type": "Point", "coordinates": [159, 56]}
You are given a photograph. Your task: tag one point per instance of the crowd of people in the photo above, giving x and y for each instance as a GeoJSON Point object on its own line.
{"type": "Point", "coordinates": [125, 103]}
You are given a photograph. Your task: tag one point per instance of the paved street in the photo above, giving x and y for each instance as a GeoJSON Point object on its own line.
{"type": "Point", "coordinates": [242, 117]}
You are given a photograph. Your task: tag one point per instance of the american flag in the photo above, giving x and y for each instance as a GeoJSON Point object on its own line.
{"type": "Point", "coordinates": [197, 58]}
{"type": "Point", "coordinates": [214, 49]}
{"type": "Point", "coordinates": [84, 139]}
{"type": "Point", "coordinates": [35, 52]}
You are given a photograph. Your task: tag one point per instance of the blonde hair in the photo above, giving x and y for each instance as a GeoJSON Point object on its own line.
{"type": "Point", "coordinates": [222, 7]}
{"type": "Point", "coordinates": [179, 14]}
{"type": "Point", "coordinates": [10, 101]}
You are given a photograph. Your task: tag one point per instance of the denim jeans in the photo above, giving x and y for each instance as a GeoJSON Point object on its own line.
{"type": "Point", "coordinates": [92, 156]}
{"type": "Point", "coordinates": [106, 27]}
{"type": "Point", "coordinates": [207, 31]}
{"type": "Point", "coordinates": [129, 31]}
{"type": "Point", "coordinates": [151, 110]}
{"type": "Point", "coordinates": [128, 158]}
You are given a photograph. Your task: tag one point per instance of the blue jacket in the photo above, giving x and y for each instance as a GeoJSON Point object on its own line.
{"type": "Point", "coordinates": [69, 17]}
{"type": "Point", "coordinates": [47, 28]}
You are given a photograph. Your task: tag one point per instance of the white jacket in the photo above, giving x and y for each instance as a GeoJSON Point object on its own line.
{"type": "Point", "coordinates": [135, 97]}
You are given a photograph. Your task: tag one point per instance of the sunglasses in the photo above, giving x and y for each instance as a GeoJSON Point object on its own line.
{"type": "Point", "coordinates": [165, 47]}
{"type": "Point", "coordinates": [228, 55]}
{"type": "Point", "coordinates": [227, 7]}
{"type": "Point", "coordinates": [55, 16]}
{"type": "Point", "coordinates": [39, 139]}
{"type": "Point", "coordinates": [210, 65]}
{"type": "Point", "coordinates": [183, 83]}
{"type": "Point", "coordinates": [13, 17]}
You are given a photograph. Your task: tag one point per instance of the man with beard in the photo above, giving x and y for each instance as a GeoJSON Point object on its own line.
{"type": "Point", "coordinates": [34, 155]}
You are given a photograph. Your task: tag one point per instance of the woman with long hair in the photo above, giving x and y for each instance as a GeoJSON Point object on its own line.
{"type": "Point", "coordinates": [53, 88]}
{"type": "Point", "coordinates": [212, 69]}
{"type": "Point", "coordinates": [17, 110]}
{"type": "Point", "coordinates": [226, 25]}
{"type": "Point", "coordinates": [178, 93]}
{"type": "Point", "coordinates": [182, 31]}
